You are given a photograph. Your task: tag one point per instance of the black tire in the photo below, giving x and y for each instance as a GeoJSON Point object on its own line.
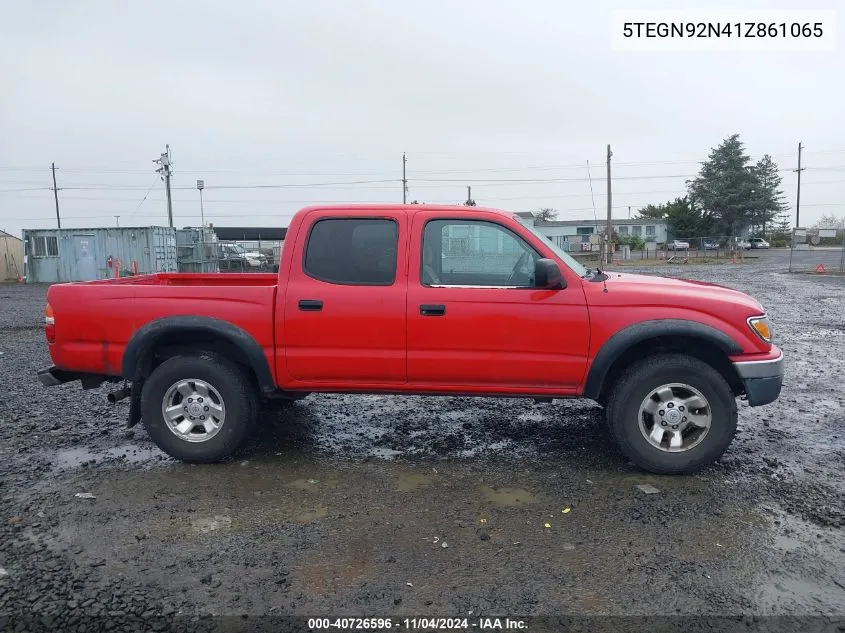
{"type": "Point", "coordinates": [644, 376]}
{"type": "Point", "coordinates": [232, 384]}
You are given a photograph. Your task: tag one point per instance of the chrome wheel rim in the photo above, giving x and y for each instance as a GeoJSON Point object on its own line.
{"type": "Point", "coordinates": [675, 417]}
{"type": "Point", "coordinates": [193, 410]}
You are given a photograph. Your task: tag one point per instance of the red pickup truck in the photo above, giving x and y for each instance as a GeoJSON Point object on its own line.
{"type": "Point", "coordinates": [427, 300]}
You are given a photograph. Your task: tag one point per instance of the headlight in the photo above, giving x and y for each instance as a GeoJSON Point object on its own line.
{"type": "Point", "coordinates": [762, 327]}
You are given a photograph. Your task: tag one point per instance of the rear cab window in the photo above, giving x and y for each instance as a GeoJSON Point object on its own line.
{"type": "Point", "coordinates": [352, 251]}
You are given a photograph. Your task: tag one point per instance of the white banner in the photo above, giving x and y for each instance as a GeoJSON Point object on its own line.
{"type": "Point", "coordinates": [723, 30]}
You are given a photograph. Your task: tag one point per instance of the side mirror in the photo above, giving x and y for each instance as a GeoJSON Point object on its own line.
{"type": "Point", "coordinates": [547, 275]}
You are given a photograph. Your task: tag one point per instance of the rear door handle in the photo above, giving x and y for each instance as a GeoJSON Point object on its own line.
{"type": "Point", "coordinates": [432, 309]}
{"type": "Point", "coordinates": [310, 305]}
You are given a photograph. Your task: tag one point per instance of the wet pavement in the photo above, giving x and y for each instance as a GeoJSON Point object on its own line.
{"type": "Point", "coordinates": [383, 505]}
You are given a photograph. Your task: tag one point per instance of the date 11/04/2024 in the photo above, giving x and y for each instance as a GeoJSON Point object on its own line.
{"type": "Point", "coordinates": [417, 624]}
{"type": "Point", "coordinates": [727, 29]}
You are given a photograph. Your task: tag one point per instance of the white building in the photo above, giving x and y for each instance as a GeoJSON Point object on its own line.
{"type": "Point", "coordinates": [570, 234]}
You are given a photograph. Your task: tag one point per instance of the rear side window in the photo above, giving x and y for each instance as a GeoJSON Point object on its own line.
{"type": "Point", "coordinates": [352, 251]}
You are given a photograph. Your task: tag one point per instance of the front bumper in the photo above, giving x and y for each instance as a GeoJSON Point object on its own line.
{"type": "Point", "coordinates": [763, 379]}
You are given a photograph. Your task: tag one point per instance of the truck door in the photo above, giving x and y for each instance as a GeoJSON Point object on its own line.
{"type": "Point", "coordinates": [475, 319]}
{"type": "Point", "coordinates": [344, 304]}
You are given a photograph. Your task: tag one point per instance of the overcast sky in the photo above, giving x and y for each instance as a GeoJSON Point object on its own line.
{"type": "Point", "coordinates": [481, 92]}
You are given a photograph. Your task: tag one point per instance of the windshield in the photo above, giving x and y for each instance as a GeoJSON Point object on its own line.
{"type": "Point", "coordinates": [237, 248]}
{"type": "Point", "coordinates": [563, 255]}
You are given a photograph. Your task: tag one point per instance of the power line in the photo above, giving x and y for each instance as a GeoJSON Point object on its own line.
{"type": "Point", "coordinates": [287, 215]}
{"type": "Point", "coordinates": [131, 215]}
{"type": "Point", "coordinates": [356, 183]}
{"type": "Point", "coordinates": [574, 166]}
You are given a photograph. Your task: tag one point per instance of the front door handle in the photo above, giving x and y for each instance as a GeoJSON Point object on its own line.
{"type": "Point", "coordinates": [310, 305]}
{"type": "Point", "coordinates": [435, 309]}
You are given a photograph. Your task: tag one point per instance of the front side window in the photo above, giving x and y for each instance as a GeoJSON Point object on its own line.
{"type": "Point", "coordinates": [475, 253]}
{"type": "Point", "coordinates": [352, 251]}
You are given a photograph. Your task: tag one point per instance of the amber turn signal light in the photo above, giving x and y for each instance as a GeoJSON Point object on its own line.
{"type": "Point", "coordinates": [762, 327]}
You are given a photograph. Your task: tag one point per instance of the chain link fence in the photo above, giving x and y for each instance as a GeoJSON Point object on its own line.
{"type": "Point", "coordinates": [200, 251]}
{"type": "Point", "coordinates": [685, 248]}
{"type": "Point", "coordinates": [817, 250]}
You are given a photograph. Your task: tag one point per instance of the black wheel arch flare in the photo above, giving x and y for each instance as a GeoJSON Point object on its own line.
{"type": "Point", "coordinates": [138, 352]}
{"type": "Point", "coordinates": [654, 329]}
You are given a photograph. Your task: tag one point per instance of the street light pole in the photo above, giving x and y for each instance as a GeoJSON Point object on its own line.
{"type": "Point", "coordinates": [200, 187]}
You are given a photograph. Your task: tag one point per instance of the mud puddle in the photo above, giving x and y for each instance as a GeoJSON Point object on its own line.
{"type": "Point", "coordinates": [79, 456]}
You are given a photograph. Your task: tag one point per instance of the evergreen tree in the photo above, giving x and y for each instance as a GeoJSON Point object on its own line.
{"type": "Point", "coordinates": [681, 217]}
{"type": "Point", "coordinates": [782, 223]}
{"type": "Point", "coordinates": [653, 212]}
{"type": "Point", "coordinates": [725, 187]}
{"type": "Point", "coordinates": [768, 196]}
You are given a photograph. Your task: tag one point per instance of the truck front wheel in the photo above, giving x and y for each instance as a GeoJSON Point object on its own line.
{"type": "Point", "coordinates": [197, 408]}
{"type": "Point", "coordinates": [672, 414]}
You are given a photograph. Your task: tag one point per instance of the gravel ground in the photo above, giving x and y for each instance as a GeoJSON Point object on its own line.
{"type": "Point", "coordinates": [391, 506]}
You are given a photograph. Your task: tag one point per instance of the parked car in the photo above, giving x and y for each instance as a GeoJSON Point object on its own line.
{"type": "Point", "coordinates": [743, 244]}
{"type": "Point", "coordinates": [365, 305]}
{"type": "Point", "coordinates": [236, 257]}
{"type": "Point", "coordinates": [678, 245]}
{"type": "Point", "coordinates": [758, 242]}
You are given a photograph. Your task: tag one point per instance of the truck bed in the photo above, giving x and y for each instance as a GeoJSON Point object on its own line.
{"type": "Point", "coordinates": [94, 320]}
{"type": "Point", "coordinates": [193, 279]}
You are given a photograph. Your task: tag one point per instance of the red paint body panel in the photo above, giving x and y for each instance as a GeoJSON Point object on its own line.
{"type": "Point", "coordinates": [360, 334]}
{"type": "Point", "coordinates": [491, 341]}
{"type": "Point", "coordinates": [493, 338]}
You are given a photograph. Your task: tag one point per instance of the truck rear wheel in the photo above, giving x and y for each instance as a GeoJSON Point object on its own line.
{"type": "Point", "coordinates": [198, 408]}
{"type": "Point", "coordinates": [672, 414]}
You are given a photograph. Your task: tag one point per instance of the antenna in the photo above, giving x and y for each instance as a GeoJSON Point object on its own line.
{"type": "Point", "coordinates": [592, 195]}
{"type": "Point", "coordinates": [595, 219]}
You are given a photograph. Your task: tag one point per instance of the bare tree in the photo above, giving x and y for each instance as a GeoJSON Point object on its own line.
{"type": "Point", "coordinates": [830, 221]}
{"type": "Point", "coordinates": [546, 214]}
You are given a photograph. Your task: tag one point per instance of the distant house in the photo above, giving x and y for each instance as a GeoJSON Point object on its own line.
{"type": "Point", "coordinates": [569, 234]}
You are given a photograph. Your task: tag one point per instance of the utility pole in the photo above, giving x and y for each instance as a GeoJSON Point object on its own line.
{"type": "Point", "coordinates": [609, 228]}
{"type": "Point", "coordinates": [404, 180]}
{"type": "Point", "coordinates": [56, 195]}
{"type": "Point", "coordinates": [798, 195]}
{"type": "Point", "coordinates": [165, 171]}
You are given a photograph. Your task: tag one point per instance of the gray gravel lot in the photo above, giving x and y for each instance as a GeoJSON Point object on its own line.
{"type": "Point", "coordinates": [376, 505]}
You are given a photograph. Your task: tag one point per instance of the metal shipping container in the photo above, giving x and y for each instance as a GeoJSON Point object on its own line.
{"type": "Point", "coordinates": [58, 255]}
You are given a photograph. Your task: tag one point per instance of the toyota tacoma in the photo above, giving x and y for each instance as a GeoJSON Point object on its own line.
{"type": "Point", "coordinates": [426, 300]}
